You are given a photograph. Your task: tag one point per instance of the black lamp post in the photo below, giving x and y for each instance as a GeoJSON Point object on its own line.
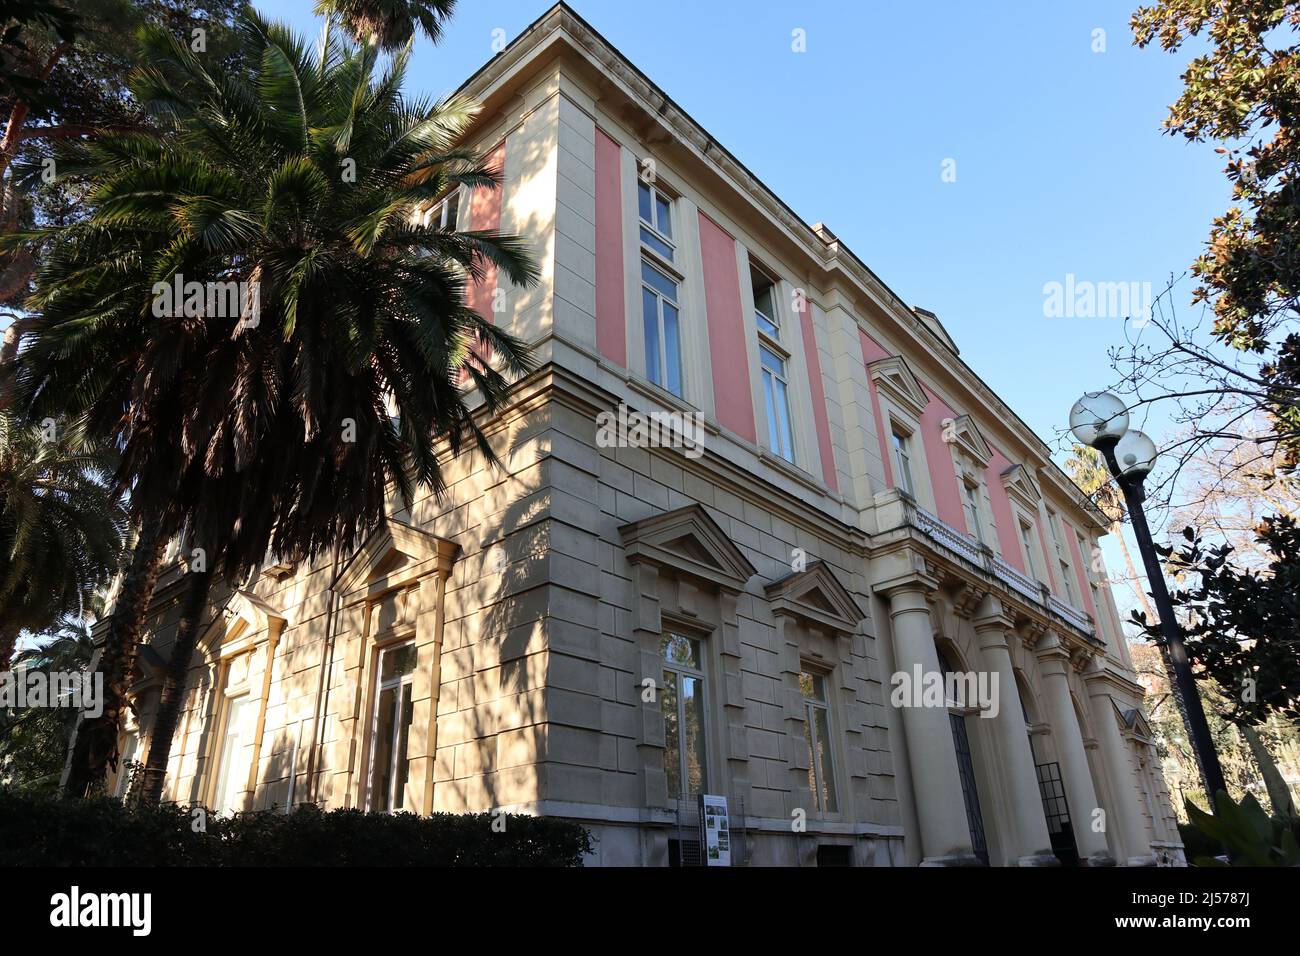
{"type": "Point", "coordinates": [1101, 420]}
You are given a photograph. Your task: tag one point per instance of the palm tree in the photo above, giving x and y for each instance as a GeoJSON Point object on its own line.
{"type": "Point", "coordinates": [60, 525]}
{"type": "Point", "coordinates": [389, 24]}
{"type": "Point", "coordinates": [1088, 469]}
{"type": "Point", "coordinates": [34, 740]}
{"type": "Point", "coordinates": [264, 427]}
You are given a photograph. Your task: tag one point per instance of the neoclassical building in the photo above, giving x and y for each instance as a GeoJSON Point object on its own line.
{"type": "Point", "coordinates": [605, 628]}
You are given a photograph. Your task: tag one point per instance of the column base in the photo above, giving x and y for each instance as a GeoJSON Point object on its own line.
{"type": "Point", "coordinates": [1140, 861]}
{"type": "Point", "coordinates": [953, 859]}
{"type": "Point", "coordinates": [1039, 859]}
{"type": "Point", "coordinates": [1099, 859]}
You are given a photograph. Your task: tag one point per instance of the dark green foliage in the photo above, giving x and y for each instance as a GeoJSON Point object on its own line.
{"type": "Point", "coordinates": [42, 831]}
{"type": "Point", "coordinates": [1249, 835]}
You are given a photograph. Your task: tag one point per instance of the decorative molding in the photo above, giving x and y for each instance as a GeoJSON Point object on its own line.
{"type": "Point", "coordinates": [970, 440]}
{"type": "Point", "coordinates": [386, 543]}
{"type": "Point", "coordinates": [1020, 485]}
{"type": "Point", "coordinates": [688, 541]}
{"type": "Point", "coordinates": [897, 380]}
{"type": "Point", "coordinates": [815, 594]}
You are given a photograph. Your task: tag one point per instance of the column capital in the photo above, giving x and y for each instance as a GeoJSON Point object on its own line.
{"type": "Point", "coordinates": [917, 583]}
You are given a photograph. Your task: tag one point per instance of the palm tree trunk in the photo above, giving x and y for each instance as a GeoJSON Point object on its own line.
{"type": "Point", "coordinates": [95, 746]}
{"type": "Point", "coordinates": [1117, 529]}
{"type": "Point", "coordinates": [1279, 794]}
{"type": "Point", "coordinates": [195, 604]}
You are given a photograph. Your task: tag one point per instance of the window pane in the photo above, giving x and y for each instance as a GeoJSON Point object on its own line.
{"type": "Point", "coordinates": [672, 735]}
{"type": "Point", "coordinates": [812, 757]}
{"type": "Point", "coordinates": [654, 242]}
{"type": "Point", "coordinates": [766, 325]}
{"type": "Point", "coordinates": [770, 402]}
{"type": "Point", "coordinates": [663, 220]}
{"type": "Point", "coordinates": [397, 662]}
{"type": "Point", "coordinates": [650, 320]}
{"type": "Point", "coordinates": [680, 650]}
{"type": "Point", "coordinates": [382, 761]}
{"type": "Point", "coordinates": [825, 768]}
{"type": "Point", "coordinates": [693, 716]}
{"type": "Point", "coordinates": [763, 302]}
{"type": "Point", "coordinates": [643, 201]}
{"type": "Point", "coordinates": [786, 448]}
{"type": "Point", "coordinates": [672, 352]}
{"type": "Point", "coordinates": [229, 781]}
{"type": "Point", "coordinates": [659, 282]}
{"type": "Point", "coordinates": [771, 360]}
{"type": "Point", "coordinates": [812, 686]}
{"type": "Point", "coordinates": [403, 731]}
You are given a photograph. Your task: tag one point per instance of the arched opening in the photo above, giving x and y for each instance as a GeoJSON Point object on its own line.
{"type": "Point", "coordinates": [957, 714]}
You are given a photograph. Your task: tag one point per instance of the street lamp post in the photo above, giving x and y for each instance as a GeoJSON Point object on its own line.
{"type": "Point", "coordinates": [1101, 421]}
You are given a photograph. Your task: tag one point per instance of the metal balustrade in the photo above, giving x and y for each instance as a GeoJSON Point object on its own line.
{"type": "Point", "coordinates": [967, 548]}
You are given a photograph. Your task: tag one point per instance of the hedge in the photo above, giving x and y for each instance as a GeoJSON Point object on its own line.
{"type": "Point", "coordinates": [39, 830]}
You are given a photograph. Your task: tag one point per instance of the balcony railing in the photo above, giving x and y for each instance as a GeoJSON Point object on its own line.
{"type": "Point", "coordinates": [968, 549]}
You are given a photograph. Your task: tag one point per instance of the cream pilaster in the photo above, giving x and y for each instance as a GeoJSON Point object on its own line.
{"type": "Point", "coordinates": [936, 783]}
{"type": "Point", "coordinates": [1119, 769]}
{"type": "Point", "coordinates": [1031, 842]}
{"type": "Point", "coordinates": [1054, 666]}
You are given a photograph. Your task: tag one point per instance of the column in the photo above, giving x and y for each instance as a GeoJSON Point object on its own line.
{"type": "Point", "coordinates": [1054, 666]}
{"type": "Point", "coordinates": [936, 783]}
{"type": "Point", "coordinates": [1115, 757]}
{"type": "Point", "coordinates": [1031, 842]}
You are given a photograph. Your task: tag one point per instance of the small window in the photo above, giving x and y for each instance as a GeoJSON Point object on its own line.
{"type": "Point", "coordinates": [972, 504]}
{"type": "Point", "coordinates": [765, 313]}
{"type": "Point", "coordinates": [661, 319]}
{"type": "Point", "coordinates": [443, 215]}
{"type": "Point", "coordinates": [903, 461]}
{"type": "Point", "coordinates": [681, 701]}
{"type": "Point", "coordinates": [656, 211]}
{"type": "Point", "coordinates": [776, 394]}
{"type": "Point", "coordinates": [817, 735]}
{"type": "Point", "coordinates": [1069, 585]}
{"type": "Point", "coordinates": [130, 744]}
{"type": "Point", "coordinates": [390, 729]}
{"type": "Point", "coordinates": [1027, 543]}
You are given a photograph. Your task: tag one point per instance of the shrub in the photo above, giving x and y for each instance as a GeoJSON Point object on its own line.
{"type": "Point", "coordinates": [38, 830]}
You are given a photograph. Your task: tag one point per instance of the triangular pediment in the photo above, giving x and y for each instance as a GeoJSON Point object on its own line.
{"type": "Point", "coordinates": [393, 550]}
{"type": "Point", "coordinates": [968, 438]}
{"type": "Point", "coordinates": [1132, 721]}
{"type": "Point", "coordinates": [689, 541]}
{"type": "Point", "coordinates": [1021, 484]}
{"type": "Point", "coordinates": [893, 376]}
{"type": "Point", "coordinates": [815, 594]}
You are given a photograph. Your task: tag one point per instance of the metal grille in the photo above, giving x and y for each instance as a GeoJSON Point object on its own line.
{"type": "Point", "coordinates": [685, 853]}
{"type": "Point", "coordinates": [1057, 812]}
{"type": "Point", "coordinates": [965, 767]}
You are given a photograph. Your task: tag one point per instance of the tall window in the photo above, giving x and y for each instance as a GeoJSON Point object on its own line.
{"type": "Point", "coordinates": [392, 724]}
{"type": "Point", "coordinates": [776, 393]}
{"type": "Point", "coordinates": [656, 211]}
{"type": "Point", "coordinates": [682, 703]}
{"type": "Point", "coordinates": [232, 768]}
{"type": "Point", "coordinates": [237, 729]}
{"type": "Point", "coordinates": [659, 313]}
{"type": "Point", "coordinates": [1027, 543]}
{"type": "Point", "coordinates": [817, 734]}
{"type": "Point", "coordinates": [903, 461]}
{"type": "Point", "coordinates": [772, 363]}
{"type": "Point", "coordinates": [972, 504]}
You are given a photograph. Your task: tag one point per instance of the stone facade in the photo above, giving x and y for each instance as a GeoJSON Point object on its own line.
{"type": "Point", "coordinates": [537, 596]}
